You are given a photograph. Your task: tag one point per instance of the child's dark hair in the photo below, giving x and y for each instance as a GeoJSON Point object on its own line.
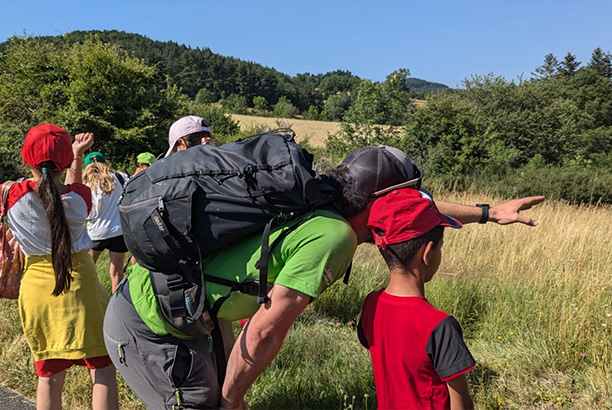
{"type": "Point", "coordinates": [195, 139]}
{"type": "Point", "coordinates": [61, 243]}
{"type": "Point", "coordinates": [399, 255]}
{"type": "Point", "coordinates": [347, 202]}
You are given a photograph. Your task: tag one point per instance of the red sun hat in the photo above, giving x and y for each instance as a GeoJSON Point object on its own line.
{"type": "Point", "coordinates": [47, 142]}
{"type": "Point", "coordinates": [405, 214]}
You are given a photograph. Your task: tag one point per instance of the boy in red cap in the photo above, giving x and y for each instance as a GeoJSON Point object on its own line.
{"type": "Point", "coordinates": [418, 354]}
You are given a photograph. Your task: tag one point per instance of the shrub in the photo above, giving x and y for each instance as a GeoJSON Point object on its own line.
{"type": "Point", "coordinates": [285, 109]}
{"type": "Point", "coordinates": [235, 103]}
{"type": "Point", "coordinates": [205, 96]}
{"type": "Point", "coordinates": [590, 185]}
{"type": "Point", "coordinates": [260, 103]}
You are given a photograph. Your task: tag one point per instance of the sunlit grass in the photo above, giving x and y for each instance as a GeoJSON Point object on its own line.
{"type": "Point", "coordinates": [535, 305]}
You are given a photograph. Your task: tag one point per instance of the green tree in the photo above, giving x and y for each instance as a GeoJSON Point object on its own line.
{"type": "Point", "coordinates": [446, 137]}
{"type": "Point", "coordinates": [235, 103]}
{"type": "Point", "coordinates": [549, 70]}
{"type": "Point", "coordinates": [260, 103]}
{"type": "Point", "coordinates": [399, 80]}
{"type": "Point", "coordinates": [205, 96]}
{"type": "Point", "coordinates": [313, 113]}
{"type": "Point", "coordinates": [88, 87]}
{"type": "Point", "coordinates": [285, 109]}
{"type": "Point", "coordinates": [338, 82]}
{"type": "Point", "coordinates": [601, 62]}
{"type": "Point", "coordinates": [569, 65]}
{"type": "Point", "coordinates": [387, 103]}
{"type": "Point", "coordinates": [336, 105]}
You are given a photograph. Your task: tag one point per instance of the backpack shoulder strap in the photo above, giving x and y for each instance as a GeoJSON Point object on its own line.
{"type": "Point", "coordinates": [4, 196]}
{"type": "Point", "coordinates": [266, 248]}
{"type": "Point", "coordinates": [120, 178]}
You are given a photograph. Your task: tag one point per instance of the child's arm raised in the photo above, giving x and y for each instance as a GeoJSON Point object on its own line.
{"type": "Point", "coordinates": [459, 393]}
{"type": "Point", "coordinates": [81, 143]}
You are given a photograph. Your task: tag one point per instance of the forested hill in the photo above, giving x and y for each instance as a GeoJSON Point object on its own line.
{"type": "Point", "coordinates": [217, 77]}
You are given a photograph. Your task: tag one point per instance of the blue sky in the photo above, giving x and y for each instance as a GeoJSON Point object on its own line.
{"type": "Point", "coordinates": [440, 41]}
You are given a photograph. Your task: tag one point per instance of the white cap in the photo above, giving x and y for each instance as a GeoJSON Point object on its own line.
{"type": "Point", "coordinates": [185, 126]}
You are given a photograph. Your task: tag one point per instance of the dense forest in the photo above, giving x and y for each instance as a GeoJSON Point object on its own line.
{"type": "Point", "coordinates": [209, 77]}
{"type": "Point", "coordinates": [550, 133]}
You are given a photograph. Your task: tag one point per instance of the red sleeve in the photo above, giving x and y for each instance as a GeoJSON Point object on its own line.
{"type": "Point", "coordinates": [18, 190]}
{"type": "Point", "coordinates": [83, 191]}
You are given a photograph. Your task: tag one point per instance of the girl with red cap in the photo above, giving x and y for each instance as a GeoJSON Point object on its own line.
{"type": "Point", "coordinates": [61, 301]}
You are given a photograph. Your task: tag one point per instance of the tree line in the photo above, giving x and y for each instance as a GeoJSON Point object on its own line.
{"type": "Point", "coordinates": [239, 85]}
{"type": "Point", "coordinates": [551, 133]}
{"type": "Point", "coordinates": [128, 89]}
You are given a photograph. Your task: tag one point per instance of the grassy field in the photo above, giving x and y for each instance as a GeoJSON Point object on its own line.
{"type": "Point", "coordinates": [315, 132]}
{"type": "Point", "coordinates": [535, 305]}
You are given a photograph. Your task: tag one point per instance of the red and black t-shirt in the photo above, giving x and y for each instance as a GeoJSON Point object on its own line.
{"type": "Point", "coordinates": [415, 349]}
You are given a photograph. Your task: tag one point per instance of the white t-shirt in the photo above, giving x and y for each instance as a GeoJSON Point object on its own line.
{"type": "Point", "coordinates": [28, 221]}
{"type": "Point", "coordinates": [103, 221]}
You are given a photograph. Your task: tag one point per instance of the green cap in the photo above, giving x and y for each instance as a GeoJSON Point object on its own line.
{"type": "Point", "coordinates": [94, 157]}
{"type": "Point", "coordinates": [145, 158]}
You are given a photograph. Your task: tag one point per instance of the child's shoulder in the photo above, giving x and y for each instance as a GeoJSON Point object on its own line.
{"type": "Point", "coordinates": [78, 188]}
{"type": "Point", "coordinates": [433, 313]}
{"type": "Point", "coordinates": [373, 296]}
{"type": "Point", "coordinates": [18, 190]}
{"type": "Point", "coordinates": [81, 190]}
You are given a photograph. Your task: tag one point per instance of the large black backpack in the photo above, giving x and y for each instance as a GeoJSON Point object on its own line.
{"type": "Point", "coordinates": [199, 200]}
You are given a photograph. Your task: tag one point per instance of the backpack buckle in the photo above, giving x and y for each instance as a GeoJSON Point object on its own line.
{"type": "Point", "coordinates": [175, 284]}
{"type": "Point", "coordinates": [251, 287]}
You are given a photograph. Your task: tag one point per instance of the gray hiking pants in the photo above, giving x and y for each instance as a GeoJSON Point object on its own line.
{"type": "Point", "coordinates": [163, 371]}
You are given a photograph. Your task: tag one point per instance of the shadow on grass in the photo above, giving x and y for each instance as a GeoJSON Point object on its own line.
{"type": "Point", "coordinates": [466, 300]}
{"type": "Point", "coordinates": [282, 400]}
{"type": "Point", "coordinates": [483, 386]}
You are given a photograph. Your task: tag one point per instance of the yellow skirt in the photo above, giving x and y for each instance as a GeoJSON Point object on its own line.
{"type": "Point", "coordinates": [68, 326]}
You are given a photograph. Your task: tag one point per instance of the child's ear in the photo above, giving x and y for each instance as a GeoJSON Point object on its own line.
{"type": "Point", "coordinates": [427, 250]}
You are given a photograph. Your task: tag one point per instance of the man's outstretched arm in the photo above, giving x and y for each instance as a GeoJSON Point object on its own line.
{"type": "Point", "coordinates": [503, 214]}
{"type": "Point", "coordinates": [259, 343]}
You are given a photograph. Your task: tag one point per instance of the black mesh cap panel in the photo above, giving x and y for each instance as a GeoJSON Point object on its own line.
{"type": "Point", "coordinates": [373, 169]}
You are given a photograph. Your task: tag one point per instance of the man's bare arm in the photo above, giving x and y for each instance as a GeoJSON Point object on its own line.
{"type": "Point", "coordinates": [503, 214]}
{"type": "Point", "coordinates": [259, 342]}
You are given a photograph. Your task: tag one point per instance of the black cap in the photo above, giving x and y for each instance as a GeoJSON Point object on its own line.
{"type": "Point", "coordinates": [377, 170]}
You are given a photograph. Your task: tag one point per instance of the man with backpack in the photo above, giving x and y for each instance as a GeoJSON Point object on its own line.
{"type": "Point", "coordinates": [169, 367]}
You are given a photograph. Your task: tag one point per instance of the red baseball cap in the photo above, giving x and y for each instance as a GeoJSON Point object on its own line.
{"type": "Point", "coordinates": [405, 214]}
{"type": "Point", "coordinates": [47, 142]}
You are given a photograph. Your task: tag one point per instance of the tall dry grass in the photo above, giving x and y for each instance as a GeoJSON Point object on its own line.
{"type": "Point", "coordinates": [535, 305]}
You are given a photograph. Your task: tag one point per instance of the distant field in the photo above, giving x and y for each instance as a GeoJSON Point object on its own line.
{"type": "Point", "coordinates": [315, 132]}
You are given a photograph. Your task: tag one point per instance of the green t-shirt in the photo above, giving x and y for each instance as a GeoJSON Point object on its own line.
{"type": "Point", "coordinates": [309, 259]}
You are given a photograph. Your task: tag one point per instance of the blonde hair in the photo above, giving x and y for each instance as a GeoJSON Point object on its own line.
{"type": "Point", "coordinates": [98, 175]}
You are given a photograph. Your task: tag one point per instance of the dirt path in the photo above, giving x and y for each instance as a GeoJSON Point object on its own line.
{"type": "Point", "coordinates": [10, 399]}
